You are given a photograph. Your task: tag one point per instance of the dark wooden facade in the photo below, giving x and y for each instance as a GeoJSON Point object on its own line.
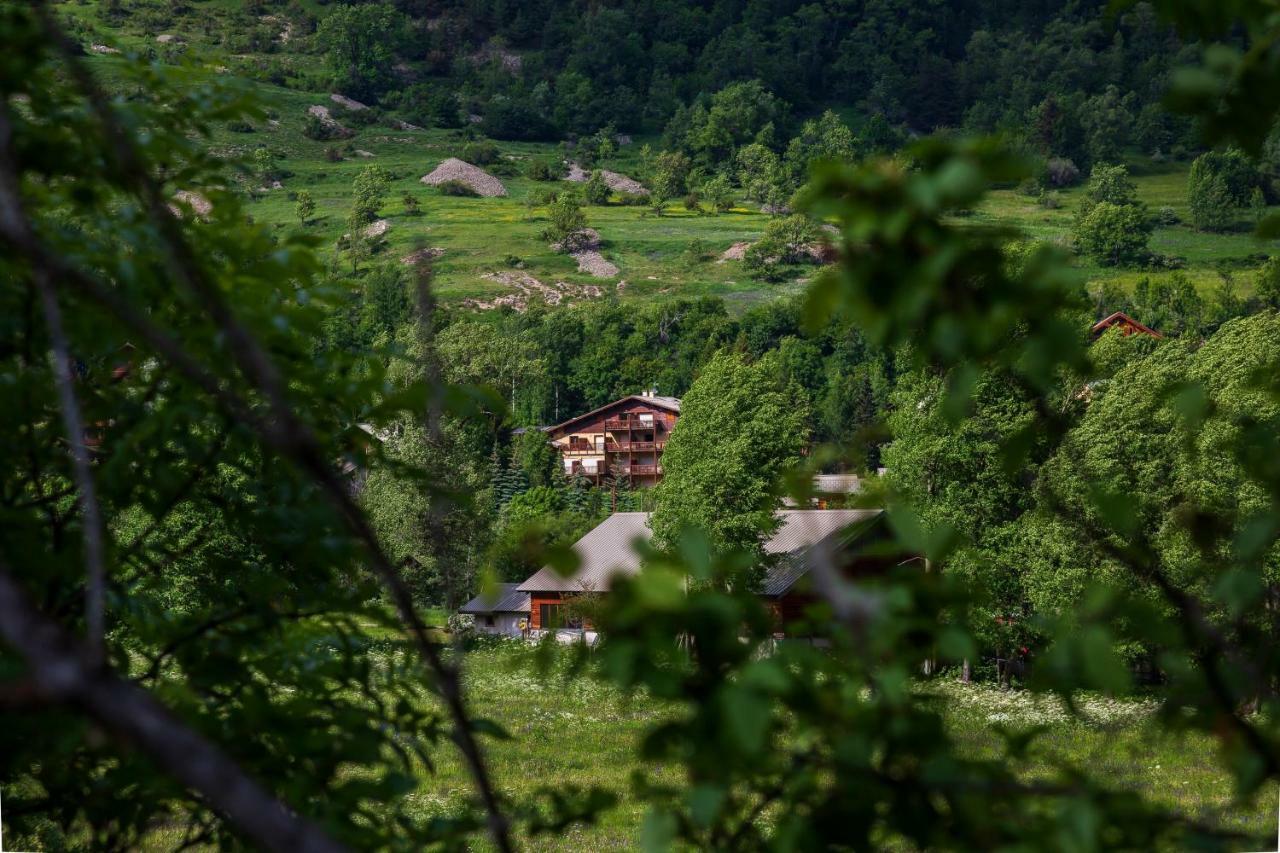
{"type": "Point", "coordinates": [547, 610]}
{"type": "Point", "coordinates": [620, 442]}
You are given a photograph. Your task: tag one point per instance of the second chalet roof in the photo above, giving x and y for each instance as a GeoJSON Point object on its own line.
{"type": "Point", "coordinates": [607, 549]}
{"type": "Point", "coordinates": [1119, 318]}
{"type": "Point", "coordinates": [671, 404]}
{"type": "Point", "coordinates": [505, 598]}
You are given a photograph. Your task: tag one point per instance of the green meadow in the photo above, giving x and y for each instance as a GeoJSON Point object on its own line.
{"type": "Point", "coordinates": [585, 732]}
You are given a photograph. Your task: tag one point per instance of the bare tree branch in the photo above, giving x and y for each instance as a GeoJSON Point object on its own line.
{"type": "Point", "coordinates": [63, 672]}
{"type": "Point", "coordinates": [73, 425]}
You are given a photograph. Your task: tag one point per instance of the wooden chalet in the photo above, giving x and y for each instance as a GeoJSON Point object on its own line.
{"type": "Point", "coordinates": [608, 551]}
{"type": "Point", "coordinates": [622, 441]}
{"type": "Point", "coordinates": [1127, 325]}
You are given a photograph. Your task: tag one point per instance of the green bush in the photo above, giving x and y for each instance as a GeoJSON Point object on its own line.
{"type": "Point", "coordinates": [545, 169]}
{"type": "Point", "coordinates": [595, 190]}
{"type": "Point", "coordinates": [1219, 187]}
{"type": "Point", "coordinates": [480, 153]}
{"type": "Point", "coordinates": [1114, 234]}
{"type": "Point", "coordinates": [504, 167]}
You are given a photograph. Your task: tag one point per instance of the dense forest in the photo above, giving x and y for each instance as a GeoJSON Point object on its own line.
{"type": "Point", "coordinates": [1075, 79]}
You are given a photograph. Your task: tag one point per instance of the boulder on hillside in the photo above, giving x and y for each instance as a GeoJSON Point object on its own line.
{"type": "Point", "coordinates": [329, 121]}
{"type": "Point", "coordinates": [587, 238]}
{"type": "Point", "coordinates": [199, 205]}
{"type": "Point", "coordinates": [615, 181]}
{"type": "Point", "coordinates": [477, 179]}
{"type": "Point", "coordinates": [421, 256]}
{"type": "Point", "coordinates": [736, 252]}
{"type": "Point", "coordinates": [349, 103]}
{"type": "Point", "coordinates": [594, 263]}
{"type": "Point", "coordinates": [373, 231]}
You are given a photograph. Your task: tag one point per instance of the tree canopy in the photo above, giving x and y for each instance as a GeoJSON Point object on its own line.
{"type": "Point", "coordinates": [757, 421]}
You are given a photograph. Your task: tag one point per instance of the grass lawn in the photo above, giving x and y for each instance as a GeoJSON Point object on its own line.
{"type": "Point", "coordinates": [584, 732]}
{"type": "Point", "coordinates": [1207, 256]}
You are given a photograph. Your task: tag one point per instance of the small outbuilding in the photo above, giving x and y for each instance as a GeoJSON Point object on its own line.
{"type": "Point", "coordinates": [505, 611]}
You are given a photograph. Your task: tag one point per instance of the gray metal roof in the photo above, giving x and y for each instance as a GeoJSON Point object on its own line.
{"type": "Point", "coordinates": [607, 549]}
{"type": "Point", "coordinates": [669, 403]}
{"type": "Point", "coordinates": [506, 598]}
{"type": "Point", "coordinates": [793, 563]}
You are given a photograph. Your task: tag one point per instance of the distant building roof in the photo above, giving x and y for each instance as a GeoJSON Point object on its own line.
{"type": "Point", "coordinates": [836, 484]}
{"type": "Point", "coordinates": [1128, 324]}
{"type": "Point", "coordinates": [505, 598]}
{"type": "Point", "coordinates": [828, 485]}
{"type": "Point", "coordinates": [671, 404]}
{"type": "Point", "coordinates": [607, 549]}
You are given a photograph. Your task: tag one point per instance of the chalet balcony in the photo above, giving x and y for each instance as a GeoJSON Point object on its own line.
{"type": "Point", "coordinates": [633, 446]}
{"type": "Point", "coordinates": [637, 470]}
{"type": "Point", "coordinates": [630, 423]}
{"type": "Point", "coordinates": [582, 450]}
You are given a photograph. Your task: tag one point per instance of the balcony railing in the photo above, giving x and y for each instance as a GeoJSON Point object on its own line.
{"type": "Point", "coordinates": [582, 450]}
{"type": "Point", "coordinates": [631, 446]}
{"type": "Point", "coordinates": [637, 470]}
{"type": "Point", "coordinates": [629, 423]}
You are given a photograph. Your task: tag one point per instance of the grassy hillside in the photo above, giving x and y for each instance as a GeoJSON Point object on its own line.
{"type": "Point", "coordinates": [1208, 256]}
{"type": "Point", "coordinates": [658, 257]}
{"type": "Point", "coordinates": [480, 235]}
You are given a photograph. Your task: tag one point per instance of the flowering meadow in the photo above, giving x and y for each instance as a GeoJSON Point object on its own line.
{"type": "Point", "coordinates": [569, 727]}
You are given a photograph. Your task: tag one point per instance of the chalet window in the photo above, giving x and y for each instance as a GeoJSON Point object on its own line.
{"type": "Point", "coordinates": [553, 616]}
{"type": "Point", "coordinates": [488, 621]}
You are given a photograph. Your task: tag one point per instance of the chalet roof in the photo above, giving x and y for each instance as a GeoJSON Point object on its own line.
{"type": "Point", "coordinates": [604, 551]}
{"type": "Point", "coordinates": [1119, 317]}
{"type": "Point", "coordinates": [505, 598]}
{"type": "Point", "coordinates": [671, 404]}
{"type": "Point", "coordinates": [794, 563]}
{"type": "Point", "coordinates": [830, 484]}
{"type": "Point", "coordinates": [607, 549]}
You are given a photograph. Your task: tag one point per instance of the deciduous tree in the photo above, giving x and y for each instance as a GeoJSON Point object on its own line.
{"type": "Point", "coordinates": [360, 42]}
{"type": "Point", "coordinates": [741, 425]}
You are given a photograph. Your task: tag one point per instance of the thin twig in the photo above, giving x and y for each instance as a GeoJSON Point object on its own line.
{"type": "Point", "coordinates": [95, 590]}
